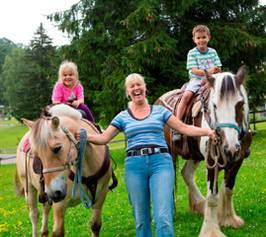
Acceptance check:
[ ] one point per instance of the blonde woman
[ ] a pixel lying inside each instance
(149, 171)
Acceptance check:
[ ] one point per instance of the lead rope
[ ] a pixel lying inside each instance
(86, 201)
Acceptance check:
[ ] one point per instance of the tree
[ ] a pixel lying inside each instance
(5, 48)
(27, 76)
(112, 39)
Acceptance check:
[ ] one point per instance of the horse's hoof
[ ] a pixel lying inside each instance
(45, 234)
(197, 206)
(212, 233)
(235, 222)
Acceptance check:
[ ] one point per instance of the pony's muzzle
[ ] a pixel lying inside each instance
(232, 152)
(58, 189)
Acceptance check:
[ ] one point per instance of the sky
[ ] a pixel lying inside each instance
(19, 19)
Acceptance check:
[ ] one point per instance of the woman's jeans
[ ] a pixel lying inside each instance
(151, 178)
(87, 112)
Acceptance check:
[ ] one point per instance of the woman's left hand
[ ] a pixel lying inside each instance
(212, 134)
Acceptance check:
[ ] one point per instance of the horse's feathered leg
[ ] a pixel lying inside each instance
(196, 199)
(210, 226)
(45, 216)
(226, 212)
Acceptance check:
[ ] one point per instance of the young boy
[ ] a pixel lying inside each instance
(199, 59)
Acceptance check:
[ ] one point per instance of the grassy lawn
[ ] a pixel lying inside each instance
(249, 200)
(11, 131)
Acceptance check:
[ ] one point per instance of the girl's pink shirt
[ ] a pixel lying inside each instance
(61, 93)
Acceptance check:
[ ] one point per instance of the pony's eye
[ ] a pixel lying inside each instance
(57, 149)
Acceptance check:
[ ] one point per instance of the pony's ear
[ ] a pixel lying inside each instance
(55, 122)
(240, 75)
(209, 78)
(27, 122)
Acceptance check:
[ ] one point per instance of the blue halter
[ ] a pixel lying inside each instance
(228, 125)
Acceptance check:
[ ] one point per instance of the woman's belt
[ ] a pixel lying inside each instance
(147, 151)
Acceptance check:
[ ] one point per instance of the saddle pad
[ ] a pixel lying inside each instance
(26, 145)
(170, 99)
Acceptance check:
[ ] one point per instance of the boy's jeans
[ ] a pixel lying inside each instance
(151, 176)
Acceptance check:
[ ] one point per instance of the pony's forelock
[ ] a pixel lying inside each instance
(39, 134)
(225, 86)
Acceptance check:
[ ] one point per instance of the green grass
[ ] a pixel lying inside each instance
(11, 131)
(249, 200)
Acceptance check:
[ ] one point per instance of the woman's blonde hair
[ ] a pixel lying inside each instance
(68, 65)
(131, 78)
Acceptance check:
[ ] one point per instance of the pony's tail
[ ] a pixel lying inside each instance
(19, 187)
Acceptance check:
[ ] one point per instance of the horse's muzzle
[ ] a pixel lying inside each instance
(58, 189)
(232, 152)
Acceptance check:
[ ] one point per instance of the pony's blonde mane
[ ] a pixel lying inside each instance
(40, 133)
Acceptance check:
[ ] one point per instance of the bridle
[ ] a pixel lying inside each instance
(69, 162)
(214, 148)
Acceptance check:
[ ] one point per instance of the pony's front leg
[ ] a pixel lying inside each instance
(45, 216)
(96, 221)
(196, 199)
(210, 226)
(31, 199)
(226, 211)
(59, 215)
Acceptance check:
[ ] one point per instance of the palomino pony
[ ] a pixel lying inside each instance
(222, 105)
(61, 170)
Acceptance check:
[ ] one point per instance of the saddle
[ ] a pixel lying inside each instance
(187, 147)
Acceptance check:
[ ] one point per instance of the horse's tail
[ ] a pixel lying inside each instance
(19, 187)
(115, 181)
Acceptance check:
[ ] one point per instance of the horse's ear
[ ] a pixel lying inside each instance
(209, 78)
(240, 75)
(27, 122)
(55, 122)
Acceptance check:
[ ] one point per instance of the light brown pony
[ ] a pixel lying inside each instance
(54, 153)
(223, 106)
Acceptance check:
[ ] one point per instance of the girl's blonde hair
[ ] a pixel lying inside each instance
(131, 78)
(70, 66)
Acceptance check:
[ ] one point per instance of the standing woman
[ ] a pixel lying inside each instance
(149, 171)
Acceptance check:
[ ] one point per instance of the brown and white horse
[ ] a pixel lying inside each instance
(224, 107)
(50, 167)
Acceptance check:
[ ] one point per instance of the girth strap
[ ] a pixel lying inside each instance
(92, 181)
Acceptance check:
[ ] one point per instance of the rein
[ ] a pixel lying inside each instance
(87, 203)
(68, 163)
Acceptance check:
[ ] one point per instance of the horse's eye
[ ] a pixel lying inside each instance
(57, 149)
(214, 106)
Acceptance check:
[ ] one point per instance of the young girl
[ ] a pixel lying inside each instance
(69, 90)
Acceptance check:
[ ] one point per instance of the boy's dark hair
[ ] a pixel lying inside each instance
(200, 28)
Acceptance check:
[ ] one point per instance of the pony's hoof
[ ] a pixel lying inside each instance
(197, 206)
(235, 222)
(45, 234)
(212, 233)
